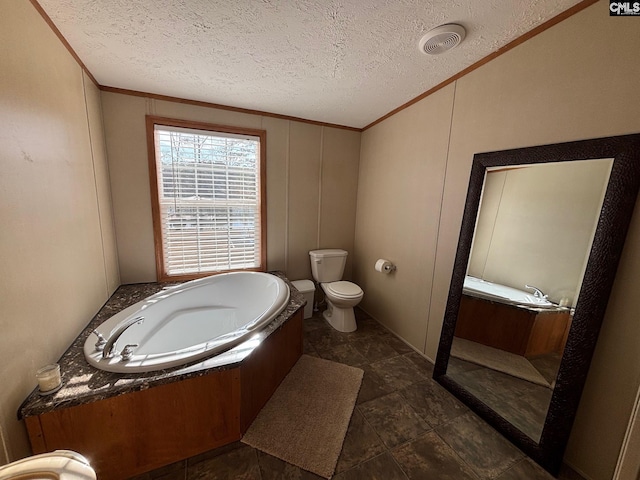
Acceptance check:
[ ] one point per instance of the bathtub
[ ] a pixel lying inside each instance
(477, 287)
(189, 322)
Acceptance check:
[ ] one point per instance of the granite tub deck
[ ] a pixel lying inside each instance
(151, 419)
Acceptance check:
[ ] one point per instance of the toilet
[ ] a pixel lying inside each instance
(327, 267)
(57, 465)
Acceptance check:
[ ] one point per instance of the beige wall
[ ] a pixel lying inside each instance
(540, 230)
(58, 251)
(574, 81)
(311, 183)
(402, 170)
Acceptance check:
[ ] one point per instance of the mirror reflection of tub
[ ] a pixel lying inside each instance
(509, 343)
(479, 288)
(532, 240)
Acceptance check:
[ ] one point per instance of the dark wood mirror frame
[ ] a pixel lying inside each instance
(615, 215)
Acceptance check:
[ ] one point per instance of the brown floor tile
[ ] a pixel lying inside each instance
(325, 337)
(486, 451)
(393, 419)
(373, 386)
(421, 362)
(374, 349)
(314, 323)
(342, 353)
(368, 327)
(526, 469)
(272, 468)
(382, 467)
(360, 444)
(398, 372)
(216, 452)
(432, 402)
(397, 344)
(175, 471)
(360, 314)
(308, 348)
(430, 457)
(568, 473)
(240, 463)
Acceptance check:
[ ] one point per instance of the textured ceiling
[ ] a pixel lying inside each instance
(347, 62)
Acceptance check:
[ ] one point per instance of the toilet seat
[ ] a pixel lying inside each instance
(58, 465)
(344, 289)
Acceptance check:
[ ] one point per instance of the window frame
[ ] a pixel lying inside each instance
(151, 122)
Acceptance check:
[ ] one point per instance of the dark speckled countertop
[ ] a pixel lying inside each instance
(83, 383)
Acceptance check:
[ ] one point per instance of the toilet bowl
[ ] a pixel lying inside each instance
(58, 465)
(341, 297)
(327, 267)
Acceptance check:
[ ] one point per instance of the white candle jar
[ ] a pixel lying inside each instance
(49, 377)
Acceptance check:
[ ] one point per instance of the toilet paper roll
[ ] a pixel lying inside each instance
(383, 266)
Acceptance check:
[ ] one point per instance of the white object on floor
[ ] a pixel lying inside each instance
(327, 267)
(58, 465)
(307, 289)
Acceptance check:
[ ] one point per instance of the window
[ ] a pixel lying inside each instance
(208, 197)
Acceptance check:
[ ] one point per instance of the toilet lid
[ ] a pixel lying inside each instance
(58, 465)
(344, 289)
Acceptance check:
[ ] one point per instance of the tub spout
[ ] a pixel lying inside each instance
(536, 292)
(113, 338)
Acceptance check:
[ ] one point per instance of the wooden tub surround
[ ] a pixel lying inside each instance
(523, 331)
(130, 424)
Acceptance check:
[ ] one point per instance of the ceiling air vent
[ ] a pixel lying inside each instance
(442, 39)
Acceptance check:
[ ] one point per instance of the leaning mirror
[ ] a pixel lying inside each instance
(541, 236)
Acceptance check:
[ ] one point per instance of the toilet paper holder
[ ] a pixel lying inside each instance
(384, 266)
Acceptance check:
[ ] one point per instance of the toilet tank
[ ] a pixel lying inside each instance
(328, 265)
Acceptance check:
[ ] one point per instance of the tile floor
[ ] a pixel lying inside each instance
(523, 403)
(404, 426)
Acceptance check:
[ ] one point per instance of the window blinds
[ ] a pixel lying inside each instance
(209, 200)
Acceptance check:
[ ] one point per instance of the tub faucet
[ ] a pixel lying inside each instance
(109, 347)
(101, 341)
(536, 292)
(127, 351)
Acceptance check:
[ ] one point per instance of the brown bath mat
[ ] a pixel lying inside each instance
(305, 421)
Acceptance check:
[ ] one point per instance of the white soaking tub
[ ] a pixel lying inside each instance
(477, 287)
(187, 322)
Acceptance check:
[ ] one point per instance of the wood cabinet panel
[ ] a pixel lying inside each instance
(548, 333)
(511, 328)
(493, 324)
(136, 432)
(129, 434)
(267, 366)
